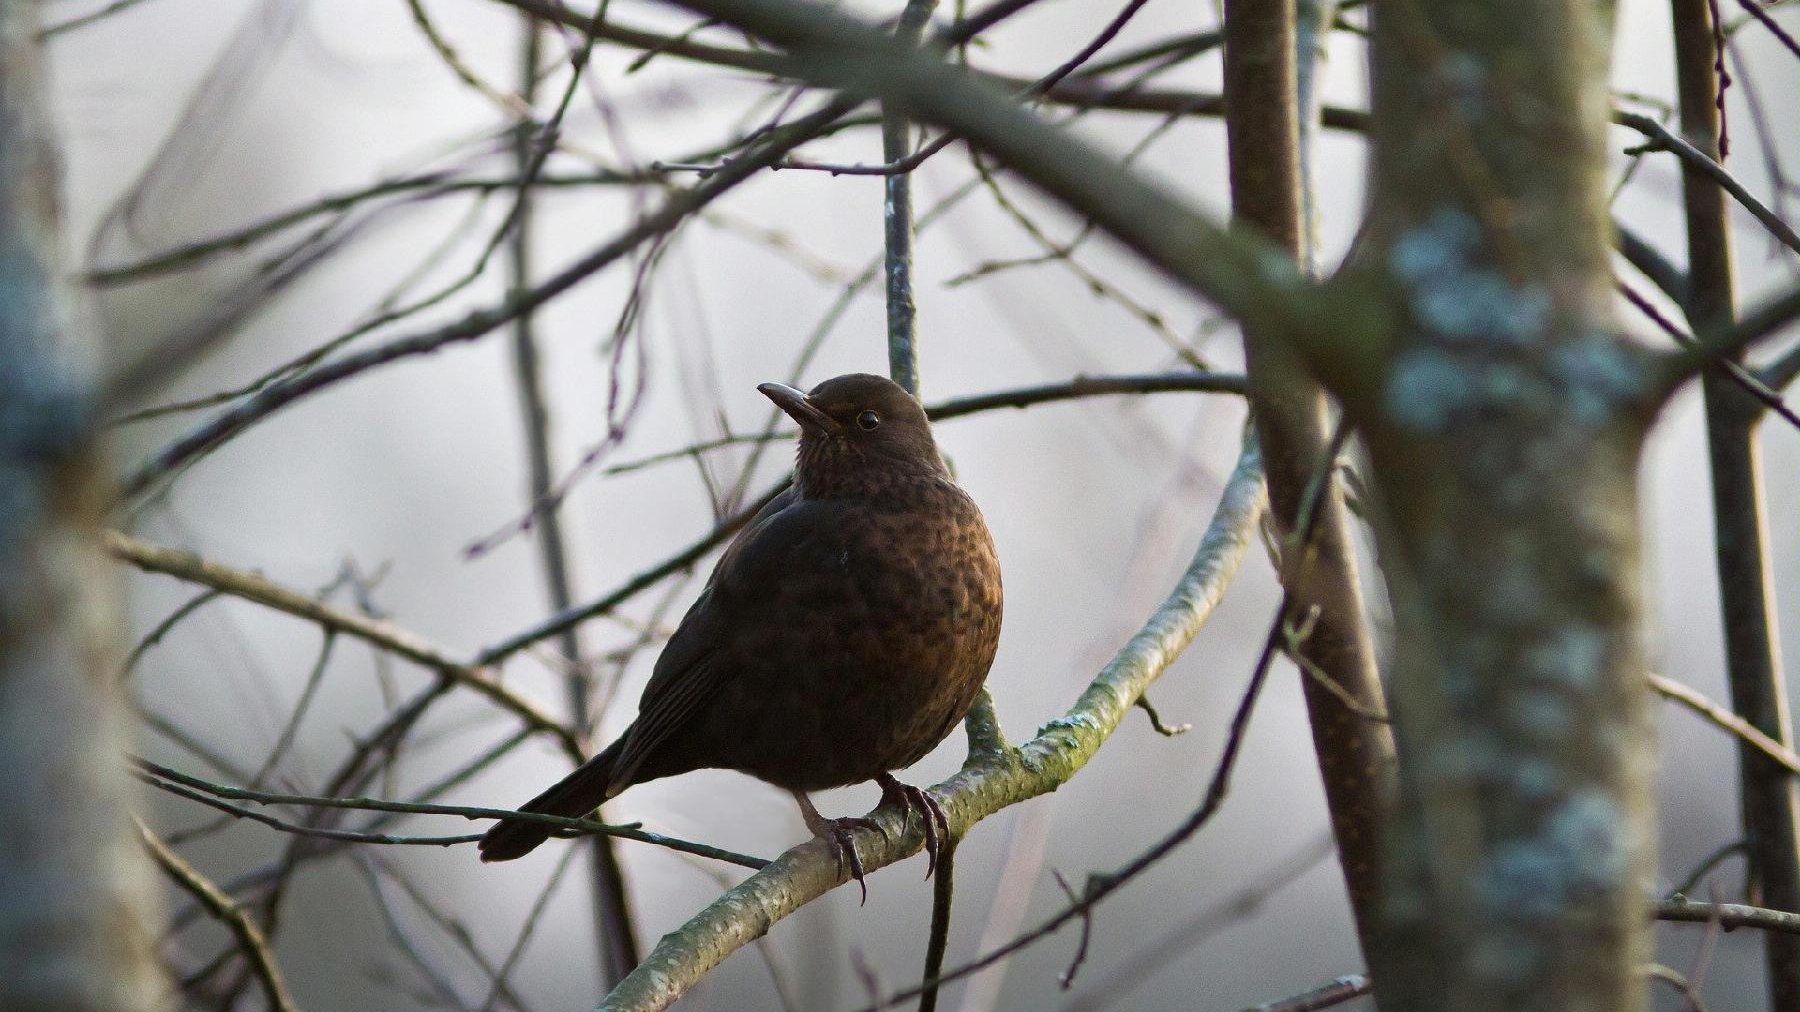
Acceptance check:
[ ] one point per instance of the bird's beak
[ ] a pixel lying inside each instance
(794, 402)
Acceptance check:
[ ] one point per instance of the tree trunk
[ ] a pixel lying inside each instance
(1505, 431)
(73, 883)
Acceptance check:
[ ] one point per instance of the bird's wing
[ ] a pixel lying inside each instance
(787, 534)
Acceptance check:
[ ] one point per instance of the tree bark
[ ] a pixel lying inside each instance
(74, 882)
(1505, 431)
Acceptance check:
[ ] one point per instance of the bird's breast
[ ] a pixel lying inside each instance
(878, 651)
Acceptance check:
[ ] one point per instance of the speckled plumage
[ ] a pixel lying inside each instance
(841, 636)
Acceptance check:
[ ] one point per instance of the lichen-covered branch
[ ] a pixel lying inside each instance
(990, 782)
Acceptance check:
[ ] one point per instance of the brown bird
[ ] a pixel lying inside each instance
(842, 635)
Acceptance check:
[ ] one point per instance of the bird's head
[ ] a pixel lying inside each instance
(858, 434)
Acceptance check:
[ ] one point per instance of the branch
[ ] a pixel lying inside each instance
(1088, 386)
(678, 206)
(74, 925)
(984, 786)
(1730, 722)
(1650, 262)
(1336, 993)
(1239, 272)
(1023, 397)
(82, 21)
(242, 926)
(1076, 89)
(1716, 342)
(615, 934)
(1728, 915)
(1355, 755)
(568, 618)
(1779, 373)
(383, 635)
(1662, 137)
(163, 777)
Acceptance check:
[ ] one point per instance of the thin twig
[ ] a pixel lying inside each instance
(82, 21)
(1156, 721)
(509, 103)
(1729, 915)
(1662, 137)
(1151, 957)
(555, 624)
(1728, 721)
(1705, 867)
(676, 209)
(943, 895)
(384, 635)
(243, 927)
(162, 629)
(1336, 993)
(532, 918)
(168, 779)
(438, 980)
(1754, 9)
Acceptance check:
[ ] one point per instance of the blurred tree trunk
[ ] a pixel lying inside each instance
(1505, 423)
(73, 883)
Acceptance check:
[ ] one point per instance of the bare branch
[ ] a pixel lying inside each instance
(1234, 270)
(1339, 991)
(675, 209)
(243, 927)
(1728, 721)
(74, 930)
(1662, 137)
(1714, 341)
(1730, 915)
(375, 632)
(163, 777)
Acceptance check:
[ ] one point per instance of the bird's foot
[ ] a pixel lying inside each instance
(837, 834)
(911, 799)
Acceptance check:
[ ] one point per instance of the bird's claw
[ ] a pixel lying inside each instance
(837, 834)
(910, 799)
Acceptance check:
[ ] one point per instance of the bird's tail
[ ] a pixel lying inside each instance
(573, 797)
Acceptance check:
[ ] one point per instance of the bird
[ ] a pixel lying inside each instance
(842, 635)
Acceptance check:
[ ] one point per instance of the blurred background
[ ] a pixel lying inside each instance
(403, 489)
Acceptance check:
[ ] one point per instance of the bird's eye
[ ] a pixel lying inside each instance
(867, 420)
